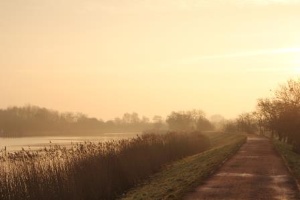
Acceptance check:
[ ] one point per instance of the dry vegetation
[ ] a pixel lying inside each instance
(92, 171)
(182, 176)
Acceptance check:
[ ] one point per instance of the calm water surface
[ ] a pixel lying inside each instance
(14, 144)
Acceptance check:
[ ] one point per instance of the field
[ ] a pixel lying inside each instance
(92, 171)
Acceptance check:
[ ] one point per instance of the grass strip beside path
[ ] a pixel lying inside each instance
(182, 176)
(291, 158)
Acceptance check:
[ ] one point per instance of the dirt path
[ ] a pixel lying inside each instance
(255, 172)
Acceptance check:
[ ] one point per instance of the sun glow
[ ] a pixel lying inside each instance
(296, 63)
(296, 70)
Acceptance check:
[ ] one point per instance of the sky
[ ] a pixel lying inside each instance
(107, 57)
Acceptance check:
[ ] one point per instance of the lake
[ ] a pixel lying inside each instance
(33, 143)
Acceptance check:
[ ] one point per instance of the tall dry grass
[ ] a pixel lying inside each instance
(92, 171)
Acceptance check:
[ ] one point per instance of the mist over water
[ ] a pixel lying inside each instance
(35, 143)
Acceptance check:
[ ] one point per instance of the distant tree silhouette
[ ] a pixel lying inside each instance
(179, 121)
(32, 120)
(158, 122)
(189, 120)
(218, 121)
(246, 122)
(230, 126)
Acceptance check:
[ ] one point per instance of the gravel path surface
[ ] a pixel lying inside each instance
(256, 172)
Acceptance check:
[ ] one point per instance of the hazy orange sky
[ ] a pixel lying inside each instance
(108, 57)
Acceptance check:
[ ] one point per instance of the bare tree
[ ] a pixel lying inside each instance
(281, 114)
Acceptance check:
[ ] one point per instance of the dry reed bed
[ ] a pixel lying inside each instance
(92, 171)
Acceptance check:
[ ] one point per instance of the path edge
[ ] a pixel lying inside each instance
(287, 166)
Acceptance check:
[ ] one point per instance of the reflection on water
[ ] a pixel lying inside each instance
(14, 144)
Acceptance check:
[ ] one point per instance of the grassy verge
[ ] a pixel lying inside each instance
(221, 139)
(291, 158)
(179, 178)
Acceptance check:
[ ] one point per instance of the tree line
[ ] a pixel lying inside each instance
(36, 121)
(33, 120)
(193, 120)
(277, 116)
